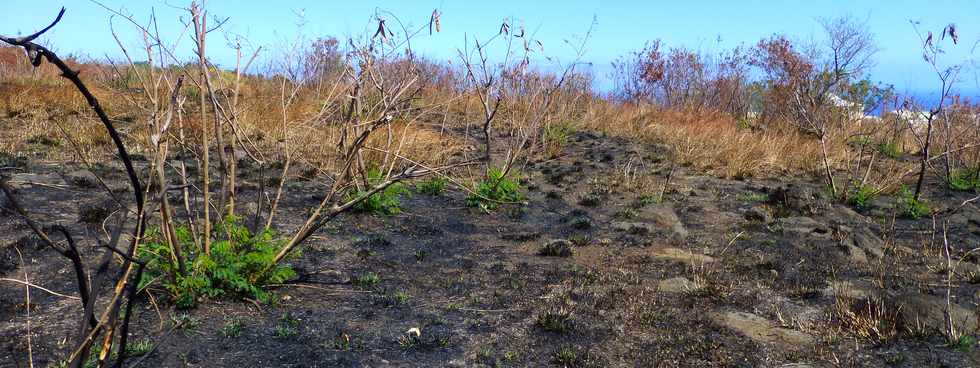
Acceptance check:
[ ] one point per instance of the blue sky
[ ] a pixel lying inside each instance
(621, 26)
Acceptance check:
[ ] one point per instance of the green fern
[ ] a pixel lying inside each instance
(494, 189)
(386, 202)
(240, 264)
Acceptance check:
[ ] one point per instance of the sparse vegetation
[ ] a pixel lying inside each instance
(240, 264)
(697, 212)
(909, 206)
(495, 189)
(434, 186)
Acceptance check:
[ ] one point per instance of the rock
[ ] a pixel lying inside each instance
(798, 198)
(761, 330)
(845, 215)
(759, 214)
(82, 178)
(856, 255)
(869, 242)
(930, 311)
(676, 285)
(803, 227)
(26, 180)
(676, 254)
(5, 206)
(636, 228)
(521, 236)
(665, 216)
(95, 213)
(854, 289)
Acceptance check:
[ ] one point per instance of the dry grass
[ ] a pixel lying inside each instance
(709, 140)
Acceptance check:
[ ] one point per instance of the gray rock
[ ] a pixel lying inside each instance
(803, 227)
(856, 255)
(95, 213)
(665, 216)
(930, 311)
(799, 198)
(676, 285)
(82, 178)
(762, 330)
(869, 242)
(637, 228)
(26, 180)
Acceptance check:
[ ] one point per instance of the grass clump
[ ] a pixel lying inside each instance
(495, 188)
(287, 327)
(386, 202)
(750, 197)
(556, 248)
(910, 207)
(966, 344)
(964, 179)
(232, 328)
(565, 356)
(240, 264)
(558, 321)
(434, 186)
(366, 280)
(139, 348)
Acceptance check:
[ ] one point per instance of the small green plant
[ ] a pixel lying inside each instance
(862, 196)
(495, 188)
(288, 326)
(646, 200)
(565, 356)
(579, 240)
(232, 328)
(750, 197)
(966, 343)
(555, 136)
(240, 264)
(386, 202)
(366, 280)
(557, 320)
(581, 223)
(910, 207)
(626, 213)
(419, 255)
(434, 186)
(890, 149)
(185, 322)
(139, 347)
(394, 299)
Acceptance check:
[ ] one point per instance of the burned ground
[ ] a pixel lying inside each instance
(593, 270)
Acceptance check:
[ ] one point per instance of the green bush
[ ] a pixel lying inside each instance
(493, 189)
(386, 202)
(240, 264)
(890, 149)
(555, 136)
(910, 207)
(434, 186)
(964, 179)
(862, 196)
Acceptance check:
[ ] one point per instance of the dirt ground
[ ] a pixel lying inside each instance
(593, 271)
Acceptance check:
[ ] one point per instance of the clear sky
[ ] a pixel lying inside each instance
(621, 26)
